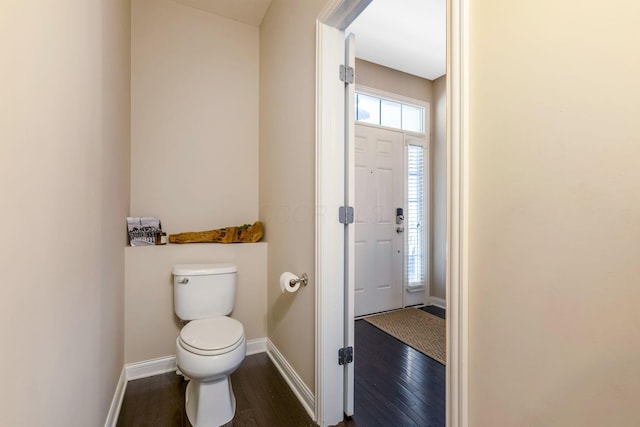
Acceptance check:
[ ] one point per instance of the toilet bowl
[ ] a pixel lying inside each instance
(208, 351)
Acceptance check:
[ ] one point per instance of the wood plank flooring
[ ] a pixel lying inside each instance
(395, 386)
(263, 399)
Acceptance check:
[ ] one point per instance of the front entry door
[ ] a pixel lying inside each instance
(379, 192)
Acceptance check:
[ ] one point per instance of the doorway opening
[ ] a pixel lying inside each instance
(332, 328)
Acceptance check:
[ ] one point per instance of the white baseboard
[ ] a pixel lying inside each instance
(438, 302)
(299, 388)
(259, 345)
(149, 368)
(162, 365)
(116, 402)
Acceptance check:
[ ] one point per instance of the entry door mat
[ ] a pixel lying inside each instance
(416, 328)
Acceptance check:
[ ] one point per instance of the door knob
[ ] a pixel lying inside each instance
(399, 230)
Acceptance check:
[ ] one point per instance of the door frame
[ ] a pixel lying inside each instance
(334, 18)
(457, 297)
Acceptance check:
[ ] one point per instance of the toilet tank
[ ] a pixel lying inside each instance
(203, 290)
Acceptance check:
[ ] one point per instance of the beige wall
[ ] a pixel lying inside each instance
(64, 181)
(194, 160)
(151, 326)
(378, 77)
(439, 188)
(194, 112)
(287, 173)
(554, 213)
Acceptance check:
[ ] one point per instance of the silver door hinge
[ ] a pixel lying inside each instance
(347, 74)
(345, 214)
(345, 355)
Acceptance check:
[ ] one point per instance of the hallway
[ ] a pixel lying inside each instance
(395, 384)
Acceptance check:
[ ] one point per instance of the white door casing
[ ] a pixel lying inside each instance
(379, 247)
(457, 410)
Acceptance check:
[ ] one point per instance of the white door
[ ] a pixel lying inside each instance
(349, 191)
(379, 192)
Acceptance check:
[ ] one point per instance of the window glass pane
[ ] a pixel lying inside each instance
(383, 112)
(368, 109)
(412, 118)
(390, 114)
(415, 216)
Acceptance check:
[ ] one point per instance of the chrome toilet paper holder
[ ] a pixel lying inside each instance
(303, 280)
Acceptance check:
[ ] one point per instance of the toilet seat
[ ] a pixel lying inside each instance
(212, 336)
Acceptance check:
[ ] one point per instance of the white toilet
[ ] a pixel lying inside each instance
(211, 346)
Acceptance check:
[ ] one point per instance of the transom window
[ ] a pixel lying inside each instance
(385, 112)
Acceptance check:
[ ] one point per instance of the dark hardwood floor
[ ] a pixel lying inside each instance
(395, 385)
(436, 311)
(263, 399)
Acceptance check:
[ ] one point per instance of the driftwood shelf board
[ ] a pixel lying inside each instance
(241, 234)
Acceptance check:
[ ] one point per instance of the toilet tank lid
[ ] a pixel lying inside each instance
(203, 269)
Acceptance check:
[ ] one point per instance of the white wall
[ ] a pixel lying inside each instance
(64, 186)
(554, 213)
(194, 113)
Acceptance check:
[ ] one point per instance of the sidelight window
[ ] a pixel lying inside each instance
(415, 216)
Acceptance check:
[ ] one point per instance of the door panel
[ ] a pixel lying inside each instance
(384, 254)
(349, 232)
(379, 190)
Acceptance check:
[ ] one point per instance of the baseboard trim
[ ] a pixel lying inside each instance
(149, 368)
(258, 345)
(116, 402)
(438, 302)
(299, 388)
(162, 365)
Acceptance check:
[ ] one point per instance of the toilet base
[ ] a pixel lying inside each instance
(210, 404)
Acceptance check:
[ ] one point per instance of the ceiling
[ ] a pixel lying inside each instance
(406, 35)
